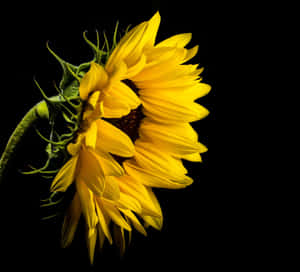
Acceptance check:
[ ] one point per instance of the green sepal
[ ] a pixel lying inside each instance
(98, 53)
(67, 68)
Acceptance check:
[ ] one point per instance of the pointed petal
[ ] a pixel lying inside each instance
(156, 222)
(178, 82)
(103, 219)
(135, 222)
(91, 136)
(149, 178)
(113, 108)
(138, 191)
(108, 164)
(149, 157)
(137, 67)
(119, 72)
(74, 148)
(119, 91)
(65, 176)
(176, 139)
(179, 40)
(87, 204)
(112, 190)
(164, 67)
(190, 53)
(91, 243)
(131, 45)
(158, 55)
(101, 236)
(183, 130)
(71, 221)
(90, 171)
(189, 94)
(115, 215)
(94, 80)
(113, 140)
(152, 29)
(195, 157)
(179, 95)
(119, 238)
(147, 40)
(93, 99)
(128, 202)
(126, 45)
(167, 111)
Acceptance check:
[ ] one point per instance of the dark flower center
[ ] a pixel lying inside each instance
(131, 85)
(130, 123)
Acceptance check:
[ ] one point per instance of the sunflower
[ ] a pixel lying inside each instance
(134, 132)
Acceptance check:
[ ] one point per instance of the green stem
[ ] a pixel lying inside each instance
(37, 112)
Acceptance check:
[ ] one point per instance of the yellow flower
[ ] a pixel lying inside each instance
(133, 134)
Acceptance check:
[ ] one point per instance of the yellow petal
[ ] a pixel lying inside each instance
(101, 236)
(195, 157)
(126, 45)
(183, 130)
(103, 219)
(156, 222)
(149, 178)
(111, 191)
(190, 53)
(147, 40)
(94, 80)
(129, 49)
(119, 91)
(137, 67)
(149, 157)
(90, 172)
(135, 222)
(65, 176)
(175, 139)
(173, 111)
(158, 55)
(119, 72)
(115, 215)
(138, 191)
(197, 91)
(184, 95)
(111, 139)
(87, 203)
(74, 148)
(164, 69)
(128, 202)
(119, 238)
(109, 165)
(91, 136)
(174, 79)
(179, 40)
(93, 99)
(91, 243)
(152, 29)
(113, 108)
(71, 221)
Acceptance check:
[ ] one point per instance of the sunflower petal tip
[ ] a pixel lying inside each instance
(156, 16)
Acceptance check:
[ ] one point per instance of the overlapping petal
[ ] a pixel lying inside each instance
(131, 46)
(115, 174)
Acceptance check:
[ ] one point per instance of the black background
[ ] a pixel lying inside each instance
(195, 220)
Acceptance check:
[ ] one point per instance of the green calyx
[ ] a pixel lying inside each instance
(63, 112)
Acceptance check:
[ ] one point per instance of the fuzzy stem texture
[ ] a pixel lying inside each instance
(39, 111)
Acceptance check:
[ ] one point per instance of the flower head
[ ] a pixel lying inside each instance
(134, 131)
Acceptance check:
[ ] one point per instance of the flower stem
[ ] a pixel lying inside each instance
(39, 111)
